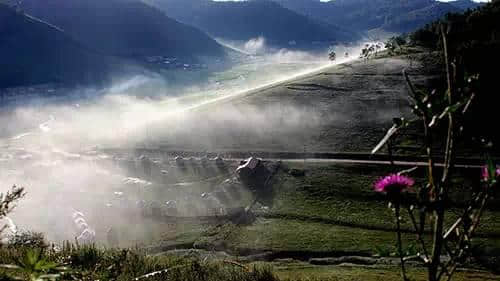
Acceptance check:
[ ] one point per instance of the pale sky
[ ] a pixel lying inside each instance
(473, 0)
(331, 0)
(437, 0)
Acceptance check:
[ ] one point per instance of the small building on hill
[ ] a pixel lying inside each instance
(248, 167)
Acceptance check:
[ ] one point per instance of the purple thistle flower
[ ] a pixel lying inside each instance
(485, 173)
(393, 183)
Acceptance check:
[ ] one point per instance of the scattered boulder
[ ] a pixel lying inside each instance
(396, 261)
(204, 161)
(211, 245)
(297, 172)
(266, 256)
(287, 260)
(112, 238)
(179, 161)
(85, 235)
(341, 260)
(254, 174)
(219, 161)
(240, 215)
(171, 208)
(234, 190)
(146, 164)
(248, 167)
(221, 195)
(191, 161)
(156, 210)
(136, 181)
(200, 254)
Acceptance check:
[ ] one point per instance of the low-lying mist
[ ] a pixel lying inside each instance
(57, 150)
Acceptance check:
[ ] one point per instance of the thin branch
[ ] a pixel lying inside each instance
(408, 171)
(419, 234)
(387, 136)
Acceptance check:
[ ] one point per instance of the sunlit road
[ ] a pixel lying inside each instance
(266, 86)
(311, 158)
(374, 162)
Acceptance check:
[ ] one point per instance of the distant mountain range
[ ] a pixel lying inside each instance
(250, 19)
(90, 40)
(124, 28)
(390, 15)
(33, 52)
(82, 41)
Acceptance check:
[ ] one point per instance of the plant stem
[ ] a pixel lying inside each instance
(437, 243)
(442, 189)
(400, 243)
(420, 233)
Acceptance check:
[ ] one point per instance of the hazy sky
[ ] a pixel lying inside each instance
(473, 0)
(438, 0)
(330, 0)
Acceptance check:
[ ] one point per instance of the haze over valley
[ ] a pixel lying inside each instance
(249, 133)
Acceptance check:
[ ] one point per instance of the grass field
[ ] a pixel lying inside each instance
(91, 263)
(355, 273)
(331, 210)
(328, 212)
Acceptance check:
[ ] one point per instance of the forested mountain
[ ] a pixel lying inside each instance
(250, 19)
(390, 15)
(473, 45)
(34, 52)
(124, 28)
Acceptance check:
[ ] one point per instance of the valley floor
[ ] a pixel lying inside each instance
(308, 213)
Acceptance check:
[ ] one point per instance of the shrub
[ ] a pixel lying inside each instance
(442, 115)
(29, 239)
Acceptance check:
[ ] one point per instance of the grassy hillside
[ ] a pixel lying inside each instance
(331, 211)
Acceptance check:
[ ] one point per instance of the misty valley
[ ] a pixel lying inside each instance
(54, 135)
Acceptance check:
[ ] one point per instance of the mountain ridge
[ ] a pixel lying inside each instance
(124, 28)
(391, 15)
(250, 19)
(32, 52)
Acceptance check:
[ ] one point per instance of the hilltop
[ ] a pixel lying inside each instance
(250, 19)
(390, 15)
(124, 28)
(474, 40)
